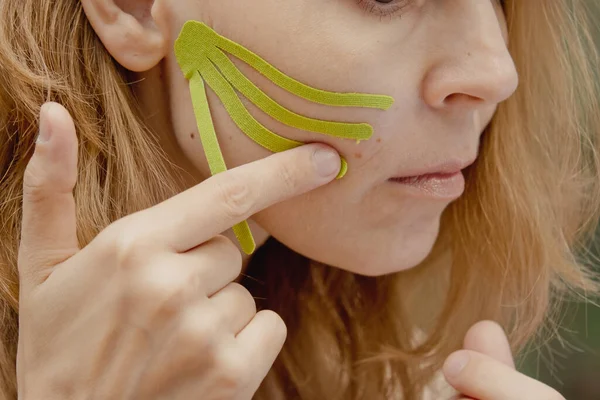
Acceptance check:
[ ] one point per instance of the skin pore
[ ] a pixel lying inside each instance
(445, 63)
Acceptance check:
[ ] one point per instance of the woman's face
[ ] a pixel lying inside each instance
(444, 61)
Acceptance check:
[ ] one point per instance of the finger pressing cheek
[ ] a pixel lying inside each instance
(476, 375)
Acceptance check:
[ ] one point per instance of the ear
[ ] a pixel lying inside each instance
(128, 30)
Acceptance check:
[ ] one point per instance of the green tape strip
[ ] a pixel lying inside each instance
(196, 38)
(213, 152)
(282, 114)
(200, 52)
(246, 122)
(240, 115)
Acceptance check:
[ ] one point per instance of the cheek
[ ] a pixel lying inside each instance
(239, 149)
(368, 235)
(266, 28)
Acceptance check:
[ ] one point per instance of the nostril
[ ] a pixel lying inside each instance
(461, 98)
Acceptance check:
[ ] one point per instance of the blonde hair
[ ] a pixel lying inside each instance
(507, 250)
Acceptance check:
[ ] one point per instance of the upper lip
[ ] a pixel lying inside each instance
(446, 167)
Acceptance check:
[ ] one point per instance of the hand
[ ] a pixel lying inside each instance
(485, 369)
(148, 309)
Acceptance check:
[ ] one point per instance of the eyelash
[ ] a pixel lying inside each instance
(392, 8)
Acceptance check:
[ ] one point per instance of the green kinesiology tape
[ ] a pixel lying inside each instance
(203, 57)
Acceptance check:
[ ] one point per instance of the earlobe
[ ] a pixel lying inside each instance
(128, 31)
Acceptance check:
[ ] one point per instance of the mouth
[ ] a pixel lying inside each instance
(443, 181)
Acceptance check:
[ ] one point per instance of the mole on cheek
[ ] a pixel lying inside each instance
(358, 155)
(192, 135)
(379, 140)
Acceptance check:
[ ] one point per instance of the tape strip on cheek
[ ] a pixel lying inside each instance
(200, 52)
(213, 153)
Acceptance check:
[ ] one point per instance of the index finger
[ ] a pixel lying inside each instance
(215, 205)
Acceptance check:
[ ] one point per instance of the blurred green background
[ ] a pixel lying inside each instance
(571, 365)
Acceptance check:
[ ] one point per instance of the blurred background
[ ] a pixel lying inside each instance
(572, 365)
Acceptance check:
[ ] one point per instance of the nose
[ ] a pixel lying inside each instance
(473, 66)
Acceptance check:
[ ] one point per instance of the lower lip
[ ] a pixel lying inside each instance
(437, 186)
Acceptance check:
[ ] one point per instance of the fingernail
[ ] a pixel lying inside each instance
(456, 363)
(44, 133)
(326, 161)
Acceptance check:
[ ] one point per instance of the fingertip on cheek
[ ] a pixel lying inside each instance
(456, 363)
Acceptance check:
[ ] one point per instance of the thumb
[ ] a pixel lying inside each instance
(489, 338)
(48, 232)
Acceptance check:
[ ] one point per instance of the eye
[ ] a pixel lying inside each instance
(384, 8)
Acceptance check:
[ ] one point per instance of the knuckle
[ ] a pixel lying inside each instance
(61, 385)
(288, 179)
(244, 295)
(151, 296)
(231, 253)
(200, 330)
(126, 244)
(228, 384)
(34, 189)
(233, 372)
(165, 296)
(226, 245)
(277, 327)
(236, 198)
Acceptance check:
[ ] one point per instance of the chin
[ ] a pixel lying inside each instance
(371, 257)
(389, 262)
